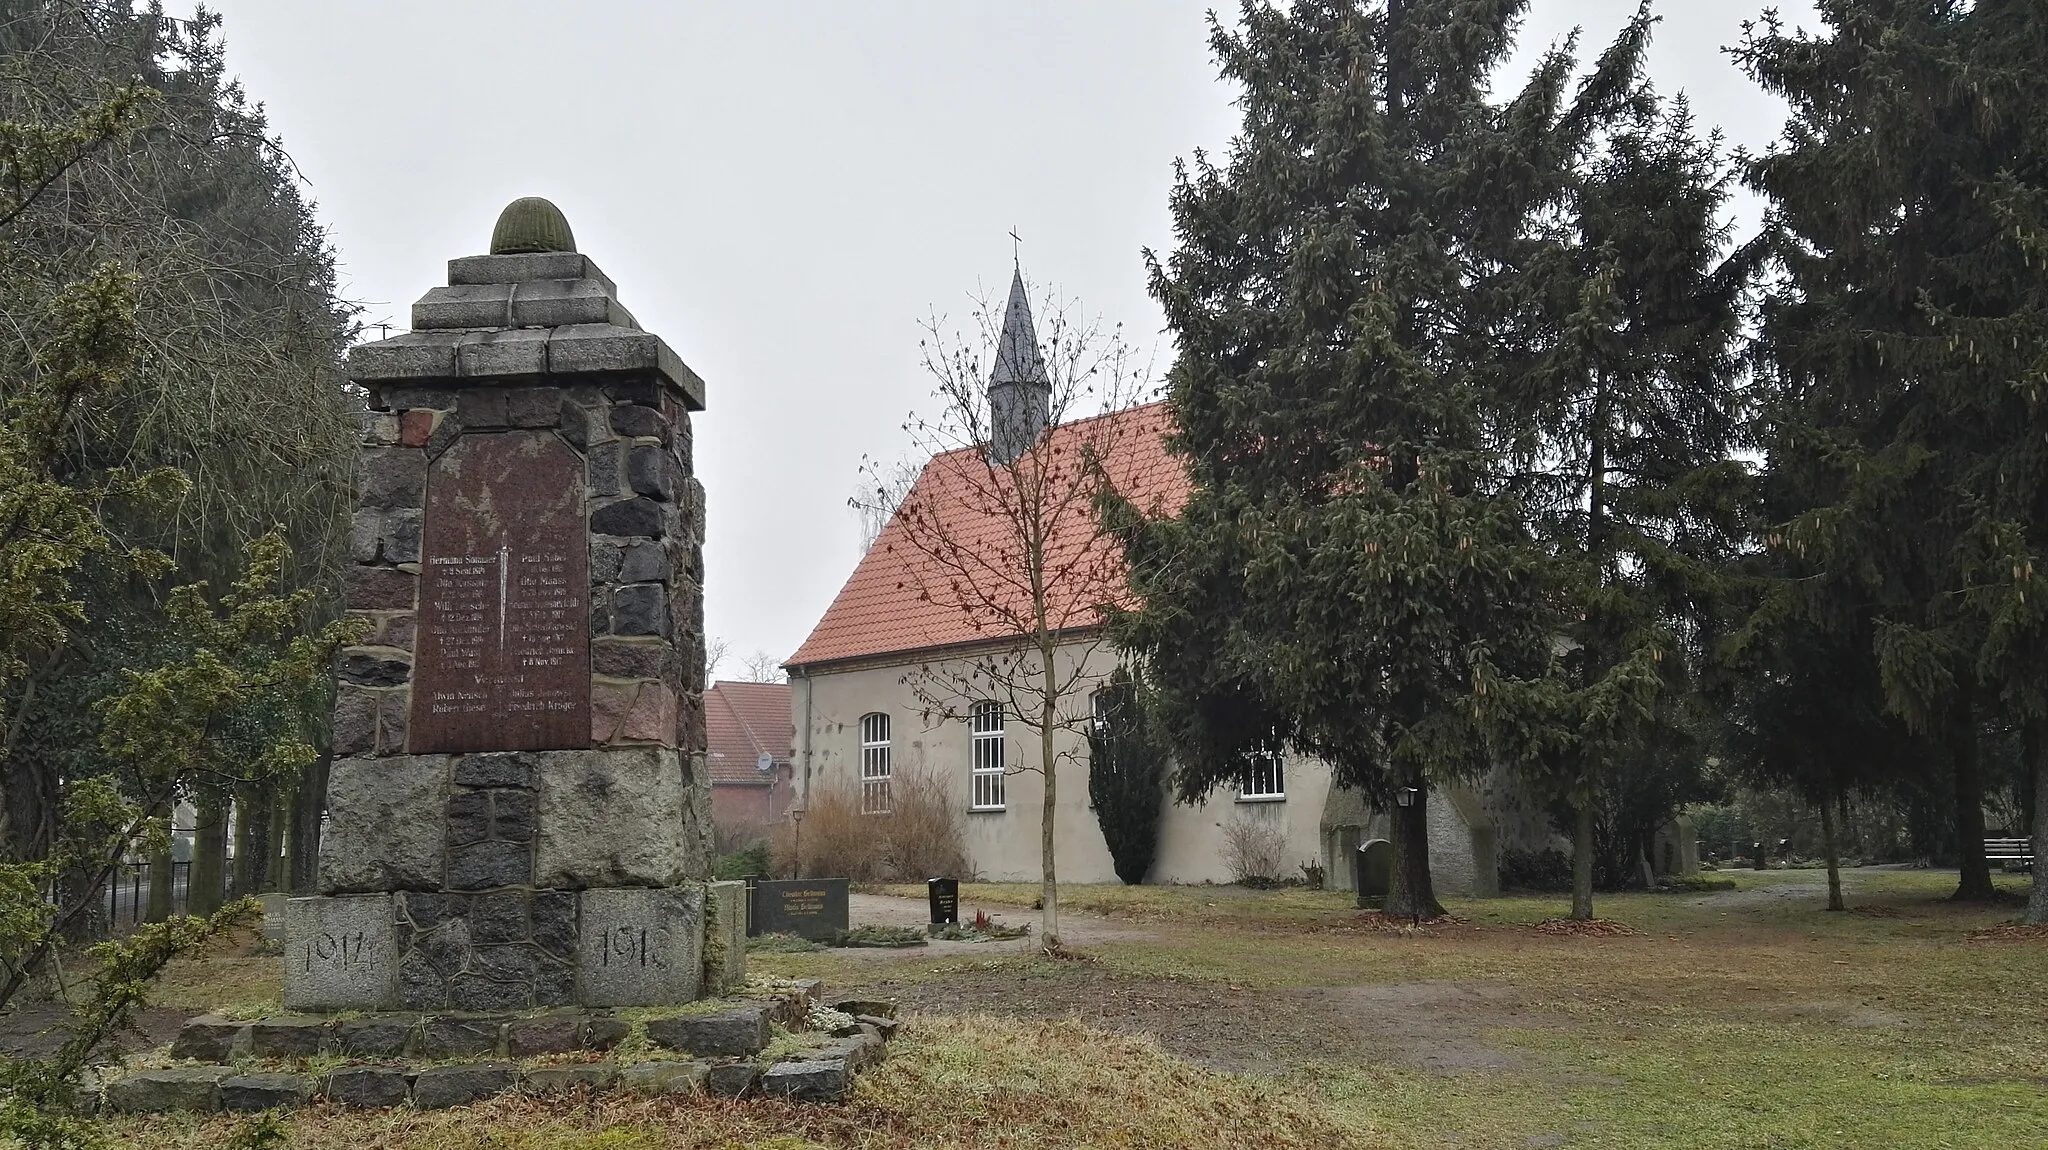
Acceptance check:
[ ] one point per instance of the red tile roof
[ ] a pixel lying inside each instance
(948, 569)
(741, 720)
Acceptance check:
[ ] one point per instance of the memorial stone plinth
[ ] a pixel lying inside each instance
(518, 808)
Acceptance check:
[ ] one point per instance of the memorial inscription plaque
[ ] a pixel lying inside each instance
(503, 656)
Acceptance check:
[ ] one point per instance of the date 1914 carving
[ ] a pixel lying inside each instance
(342, 952)
(503, 652)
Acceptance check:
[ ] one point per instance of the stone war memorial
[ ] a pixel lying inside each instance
(517, 811)
(517, 841)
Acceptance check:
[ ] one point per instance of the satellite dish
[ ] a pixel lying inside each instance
(765, 763)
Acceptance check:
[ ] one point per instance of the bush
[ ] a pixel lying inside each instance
(1542, 870)
(1252, 849)
(1127, 779)
(917, 839)
(753, 860)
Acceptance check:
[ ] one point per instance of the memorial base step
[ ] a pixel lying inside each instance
(784, 1042)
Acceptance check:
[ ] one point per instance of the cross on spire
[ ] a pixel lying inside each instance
(1016, 248)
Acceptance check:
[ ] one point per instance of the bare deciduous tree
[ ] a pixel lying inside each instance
(1001, 525)
(878, 495)
(761, 667)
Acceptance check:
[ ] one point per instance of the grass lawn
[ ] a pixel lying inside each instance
(1222, 1017)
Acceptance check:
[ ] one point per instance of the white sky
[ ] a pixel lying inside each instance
(781, 190)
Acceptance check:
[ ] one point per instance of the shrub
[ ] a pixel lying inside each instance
(1252, 849)
(731, 838)
(1127, 779)
(918, 838)
(753, 860)
(1538, 870)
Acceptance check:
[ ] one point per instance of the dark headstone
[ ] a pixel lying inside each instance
(1375, 871)
(944, 896)
(503, 661)
(811, 908)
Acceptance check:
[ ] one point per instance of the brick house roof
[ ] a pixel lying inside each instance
(903, 598)
(741, 720)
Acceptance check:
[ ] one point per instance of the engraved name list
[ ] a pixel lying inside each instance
(502, 660)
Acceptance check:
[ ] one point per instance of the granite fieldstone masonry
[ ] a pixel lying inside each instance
(519, 783)
(727, 1032)
(264, 1091)
(340, 952)
(368, 1087)
(639, 946)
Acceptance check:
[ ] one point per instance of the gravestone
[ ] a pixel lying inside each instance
(1375, 862)
(810, 908)
(518, 811)
(944, 896)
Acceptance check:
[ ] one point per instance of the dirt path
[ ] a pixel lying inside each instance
(1080, 930)
(1436, 1025)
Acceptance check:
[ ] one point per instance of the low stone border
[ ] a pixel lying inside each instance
(720, 1052)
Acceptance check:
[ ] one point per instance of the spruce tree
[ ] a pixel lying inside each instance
(1350, 569)
(1126, 777)
(1625, 417)
(1904, 350)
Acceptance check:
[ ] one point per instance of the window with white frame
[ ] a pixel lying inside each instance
(1263, 776)
(875, 766)
(1098, 708)
(987, 724)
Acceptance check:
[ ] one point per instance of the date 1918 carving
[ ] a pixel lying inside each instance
(502, 661)
(635, 946)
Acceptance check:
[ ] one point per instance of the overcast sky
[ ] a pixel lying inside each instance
(782, 190)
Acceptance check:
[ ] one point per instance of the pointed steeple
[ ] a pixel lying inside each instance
(1019, 391)
(1017, 358)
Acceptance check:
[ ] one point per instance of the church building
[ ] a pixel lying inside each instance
(862, 722)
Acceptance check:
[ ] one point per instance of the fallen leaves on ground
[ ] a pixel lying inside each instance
(1381, 920)
(1587, 928)
(2010, 932)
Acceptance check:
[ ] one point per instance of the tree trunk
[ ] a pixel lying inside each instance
(1410, 891)
(160, 869)
(28, 809)
(1969, 779)
(205, 886)
(1833, 851)
(1582, 861)
(2035, 739)
(1049, 886)
(309, 800)
(277, 814)
(242, 855)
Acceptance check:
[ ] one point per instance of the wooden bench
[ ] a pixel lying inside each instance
(2017, 853)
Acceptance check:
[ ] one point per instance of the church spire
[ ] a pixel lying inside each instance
(1019, 391)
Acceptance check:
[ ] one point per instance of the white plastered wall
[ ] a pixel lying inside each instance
(1318, 823)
